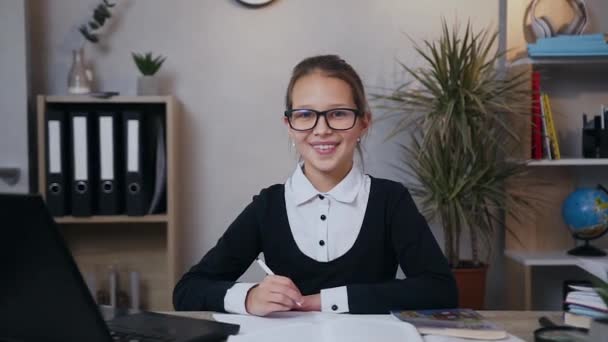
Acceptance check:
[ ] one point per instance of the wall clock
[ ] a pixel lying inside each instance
(254, 3)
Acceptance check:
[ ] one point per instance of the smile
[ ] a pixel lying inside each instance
(325, 148)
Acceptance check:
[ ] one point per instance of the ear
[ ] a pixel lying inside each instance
(366, 122)
(286, 123)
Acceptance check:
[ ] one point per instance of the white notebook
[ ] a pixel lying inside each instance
(315, 326)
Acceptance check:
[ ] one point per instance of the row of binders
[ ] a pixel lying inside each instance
(105, 162)
(545, 143)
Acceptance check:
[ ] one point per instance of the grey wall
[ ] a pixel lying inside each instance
(13, 92)
(229, 67)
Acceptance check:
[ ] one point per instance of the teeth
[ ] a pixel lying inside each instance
(324, 147)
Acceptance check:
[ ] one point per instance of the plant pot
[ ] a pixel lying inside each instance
(471, 286)
(148, 85)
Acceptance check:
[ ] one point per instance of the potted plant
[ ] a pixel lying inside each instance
(147, 84)
(80, 77)
(458, 105)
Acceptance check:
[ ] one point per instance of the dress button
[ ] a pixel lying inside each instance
(334, 307)
(321, 242)
(323, 217)
(321, 197)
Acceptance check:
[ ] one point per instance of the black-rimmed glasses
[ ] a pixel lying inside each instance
(339, 119)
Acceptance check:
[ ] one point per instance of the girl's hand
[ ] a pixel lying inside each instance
(311, 303)
(274, 293)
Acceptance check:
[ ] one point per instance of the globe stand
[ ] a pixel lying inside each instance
(587, 250)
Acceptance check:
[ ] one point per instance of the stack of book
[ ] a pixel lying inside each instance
(590, 45)
(584, 304)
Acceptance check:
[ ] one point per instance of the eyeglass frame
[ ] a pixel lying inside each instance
(323, 114)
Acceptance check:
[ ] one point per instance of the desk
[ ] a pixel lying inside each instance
(519, 323)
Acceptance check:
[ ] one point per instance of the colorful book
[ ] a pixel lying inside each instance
(537, 149)
(464, 323)
(551, 126)
(576, 320)
(547, 153)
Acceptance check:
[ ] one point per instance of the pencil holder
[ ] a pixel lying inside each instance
(590, 143)
(603, 143)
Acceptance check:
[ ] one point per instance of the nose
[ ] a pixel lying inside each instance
(322, 128)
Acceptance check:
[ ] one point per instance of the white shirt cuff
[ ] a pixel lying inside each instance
(334, 300)
(234, 300)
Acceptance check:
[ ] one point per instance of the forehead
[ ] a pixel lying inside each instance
(319, 89)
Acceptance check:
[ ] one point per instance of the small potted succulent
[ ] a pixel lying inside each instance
(148, 65)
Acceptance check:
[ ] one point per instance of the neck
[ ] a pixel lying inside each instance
(325, 181)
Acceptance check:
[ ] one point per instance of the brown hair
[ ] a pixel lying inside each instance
(330, 66)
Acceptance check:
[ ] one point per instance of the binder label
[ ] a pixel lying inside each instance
(81, 158)
(54, 146)
(132, 145)
(106, 144)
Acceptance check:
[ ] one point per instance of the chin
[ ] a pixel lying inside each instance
(324, 165)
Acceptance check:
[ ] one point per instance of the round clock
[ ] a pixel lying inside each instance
(255, 3)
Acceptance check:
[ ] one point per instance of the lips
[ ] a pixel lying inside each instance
(325, 148)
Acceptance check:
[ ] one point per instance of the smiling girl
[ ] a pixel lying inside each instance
(333, 235)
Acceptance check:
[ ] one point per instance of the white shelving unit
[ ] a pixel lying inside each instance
(552, 258)
(569, 162)
(529, 259)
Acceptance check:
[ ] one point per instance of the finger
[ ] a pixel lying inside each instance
(279, 298)
(274, 307)
(285, 282)
(293, 295)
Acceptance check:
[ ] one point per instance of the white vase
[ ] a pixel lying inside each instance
(147, 85)
(80, 78)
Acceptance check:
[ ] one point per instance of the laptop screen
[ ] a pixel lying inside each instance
(42, 295)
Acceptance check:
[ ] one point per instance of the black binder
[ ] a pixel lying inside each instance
(84, 161)
(57, 166)
(138, 162)
(109, 186)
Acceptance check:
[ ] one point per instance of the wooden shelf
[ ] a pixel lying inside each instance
(147, 244)
(569, 162)
(113, 219)
(113, 99)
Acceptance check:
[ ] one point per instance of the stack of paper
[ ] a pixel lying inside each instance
(584, 303)
(569, 46)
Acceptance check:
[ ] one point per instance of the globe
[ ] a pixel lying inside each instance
(585, 212)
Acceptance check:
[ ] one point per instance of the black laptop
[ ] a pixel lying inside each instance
(43, 296)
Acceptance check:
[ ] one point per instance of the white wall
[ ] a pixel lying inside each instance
(229, 66)
(13, 93)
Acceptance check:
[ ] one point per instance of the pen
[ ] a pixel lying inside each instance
(264, 266)
(269, 272)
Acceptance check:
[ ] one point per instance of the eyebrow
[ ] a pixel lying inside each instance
(335, 105)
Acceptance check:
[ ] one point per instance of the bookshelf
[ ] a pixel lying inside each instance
(539, 241)
(146, 244)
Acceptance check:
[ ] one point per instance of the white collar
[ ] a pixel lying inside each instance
(345, 191)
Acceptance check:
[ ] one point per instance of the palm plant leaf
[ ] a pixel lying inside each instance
(460, 104)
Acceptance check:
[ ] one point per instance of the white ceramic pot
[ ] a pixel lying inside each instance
(148, 85)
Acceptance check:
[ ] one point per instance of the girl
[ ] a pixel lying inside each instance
(332, 234)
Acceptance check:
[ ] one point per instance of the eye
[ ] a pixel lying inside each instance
(340, 113)
(302, 114)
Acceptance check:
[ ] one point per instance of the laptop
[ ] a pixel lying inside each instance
(43, 296)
